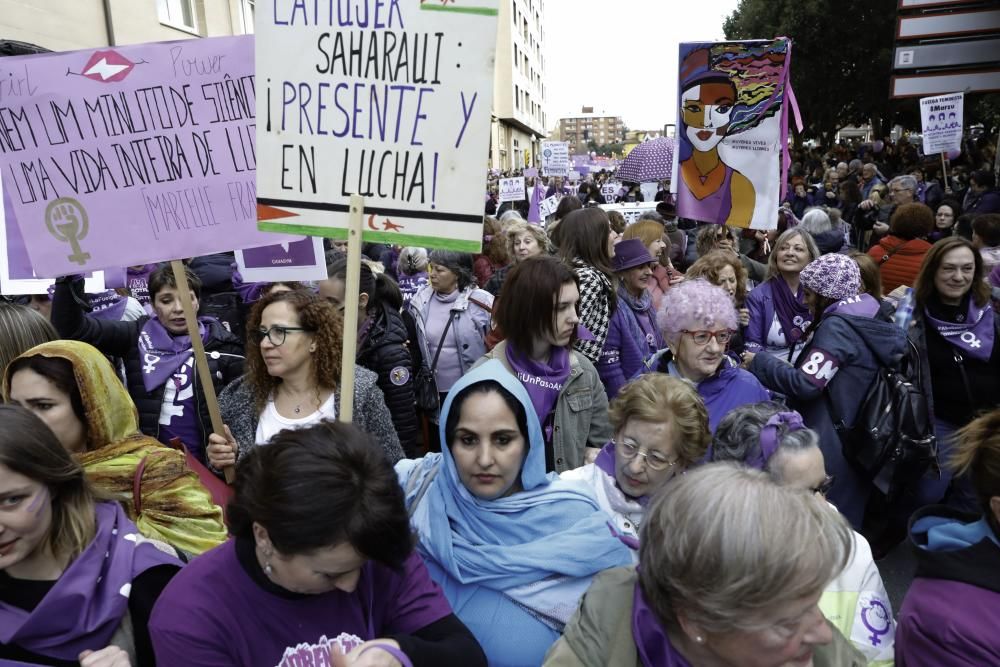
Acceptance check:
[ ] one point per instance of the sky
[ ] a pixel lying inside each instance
(620, 57)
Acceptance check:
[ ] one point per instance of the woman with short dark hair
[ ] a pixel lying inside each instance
(321, 563)
(538, 312)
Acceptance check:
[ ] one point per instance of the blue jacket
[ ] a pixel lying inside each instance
(828, 385)
(623, 355)
(760, 303)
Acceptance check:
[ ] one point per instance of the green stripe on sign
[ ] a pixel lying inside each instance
(392, 238)
(482, 11)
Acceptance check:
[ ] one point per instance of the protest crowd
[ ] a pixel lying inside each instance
(621, 434)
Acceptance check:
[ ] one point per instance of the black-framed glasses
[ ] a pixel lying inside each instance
(655, 460)
(276, 334)
(702, 337)
(824, 486)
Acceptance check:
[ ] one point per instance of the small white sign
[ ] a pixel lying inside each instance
(512, 189)
(555, 158)
(941, 122)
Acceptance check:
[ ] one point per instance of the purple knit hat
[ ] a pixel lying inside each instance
(834, 276)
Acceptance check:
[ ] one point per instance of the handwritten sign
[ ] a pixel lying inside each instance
(133, 154)
(941, 122)
(299, 260)
(555, 158)
(548, 206)
(610, 191)
(380, 98)
(631, 210)
(512, 189)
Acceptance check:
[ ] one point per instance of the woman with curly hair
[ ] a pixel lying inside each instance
(724, 270)
(294, 346)
(494, 255)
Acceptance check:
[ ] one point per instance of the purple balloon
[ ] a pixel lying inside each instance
(953, 154)
(878, 146)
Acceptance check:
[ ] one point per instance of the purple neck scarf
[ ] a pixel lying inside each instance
(109, 305)
(605, 461)
(862, 305)
(640, 308)
(651, 640)
(770, 437)
(162, 354)
(86, 605)
(792, 312)
(542, 381)
(973, 336)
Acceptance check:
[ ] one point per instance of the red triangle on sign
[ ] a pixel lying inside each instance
(265, 212)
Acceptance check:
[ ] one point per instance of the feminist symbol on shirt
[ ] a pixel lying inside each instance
(970, 338)
(881, 618)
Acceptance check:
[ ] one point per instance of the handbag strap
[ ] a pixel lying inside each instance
(960, 361)
(437, 353)
(889, 253)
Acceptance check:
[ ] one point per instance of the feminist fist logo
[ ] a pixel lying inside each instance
(66, 220)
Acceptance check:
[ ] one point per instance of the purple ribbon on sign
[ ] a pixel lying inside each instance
(769, 440)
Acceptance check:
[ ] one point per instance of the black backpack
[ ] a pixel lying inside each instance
(892, 439)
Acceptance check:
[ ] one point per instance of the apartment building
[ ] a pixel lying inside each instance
(587, 126)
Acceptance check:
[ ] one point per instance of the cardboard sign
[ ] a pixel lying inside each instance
(512, 189)
(555, 158)
(133, 154)
(299, 260)
(387, 100)
(941, 123)
(610, 191)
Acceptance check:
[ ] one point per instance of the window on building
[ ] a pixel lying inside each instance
(247, 9)
(517, 97)
(178, 13)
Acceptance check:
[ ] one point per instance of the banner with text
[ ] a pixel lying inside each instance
(380, 98)
(555, 158)
(131, 155)
(732, 127)
(512, 189)
(941, 123)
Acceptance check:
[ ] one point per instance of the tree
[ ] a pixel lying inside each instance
(841, 58)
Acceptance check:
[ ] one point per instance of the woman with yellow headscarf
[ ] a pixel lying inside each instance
(73, 388)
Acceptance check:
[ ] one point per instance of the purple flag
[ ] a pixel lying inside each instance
(534, 215)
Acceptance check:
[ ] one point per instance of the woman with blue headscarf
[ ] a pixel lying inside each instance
(513, 548)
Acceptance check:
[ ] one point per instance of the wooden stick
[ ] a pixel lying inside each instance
(351, 297)
(201, 361)
(944, 170)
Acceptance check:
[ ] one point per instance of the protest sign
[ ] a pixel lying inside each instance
(574, 176)
(16, 274)
(387, 100)
(132, 154)
(548, 206)
(299, 260)
(631, 210)
(649, 190)
(941, 122)
(555, 158)
(531, 172)
(512, 189)
(730, 150)
(610, 191)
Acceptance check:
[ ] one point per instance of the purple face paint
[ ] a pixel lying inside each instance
(37, 505)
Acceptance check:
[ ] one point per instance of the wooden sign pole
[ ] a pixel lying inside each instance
(352, 287)
(201, 361)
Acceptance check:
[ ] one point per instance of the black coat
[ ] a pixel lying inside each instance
(385, 352)
(121, 339)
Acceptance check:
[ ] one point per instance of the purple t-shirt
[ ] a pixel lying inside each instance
(178, 412)
(213, 614)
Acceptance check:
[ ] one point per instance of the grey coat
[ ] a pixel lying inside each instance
(581, 413)
(370, 413)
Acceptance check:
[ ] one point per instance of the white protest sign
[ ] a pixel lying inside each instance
(385, 99)
(512, 189)
(574, 176)
(631, 210)
(299, 260)
(649, 190)
(941, 122)
(610, 191)
(555, 158)
(548, 206)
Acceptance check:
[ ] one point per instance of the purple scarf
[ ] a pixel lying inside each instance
(85, 606)
(651, 641)
(641, 308)
(862, 305)
(973, 336)
(605, 461)
(792, 312)
(162, 354)
(542, 381)
(109, 305)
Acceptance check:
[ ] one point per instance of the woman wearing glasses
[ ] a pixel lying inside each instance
(293, 368)
(661, 429)
(846, 346)
(698, 320)
(768, 437)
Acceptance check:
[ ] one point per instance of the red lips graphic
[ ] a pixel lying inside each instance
(107, 66)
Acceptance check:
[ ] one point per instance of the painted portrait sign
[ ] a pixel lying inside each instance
(732, 130)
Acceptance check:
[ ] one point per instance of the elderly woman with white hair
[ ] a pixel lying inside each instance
(769, 437)
(819, 224)
(524, 240)
(698, 320)
(732, 569)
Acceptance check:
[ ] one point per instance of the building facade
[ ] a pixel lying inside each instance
(586, 127)
(519, 95)
(67, 25)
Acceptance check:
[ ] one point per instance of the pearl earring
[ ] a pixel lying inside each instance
(699, 638)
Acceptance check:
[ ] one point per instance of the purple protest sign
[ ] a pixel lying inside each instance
(134, 154)
(531, 172)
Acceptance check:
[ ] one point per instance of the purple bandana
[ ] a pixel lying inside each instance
(86, 605)
(792, 312)
(862, 305)
(109, 305)
(162, 354)
(605, 461)
(769, 437)
(651, 641)
(542, 381)
(973, 336)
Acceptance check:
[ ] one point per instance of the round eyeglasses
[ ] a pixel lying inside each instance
(655, 460)
(276, 334)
